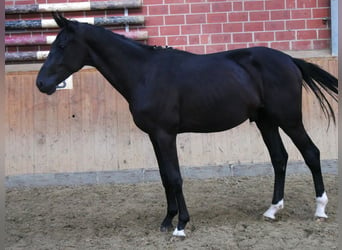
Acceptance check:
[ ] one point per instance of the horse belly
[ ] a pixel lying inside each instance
(217, 119)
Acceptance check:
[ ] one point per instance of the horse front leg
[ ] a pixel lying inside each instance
(164, 145)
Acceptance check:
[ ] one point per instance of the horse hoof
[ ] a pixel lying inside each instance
(321, 203)
(273, 209)
(269, 219)
(321, 219)
(166, 229)
(179, 233)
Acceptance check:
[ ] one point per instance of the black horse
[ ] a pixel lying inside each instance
(171, 91)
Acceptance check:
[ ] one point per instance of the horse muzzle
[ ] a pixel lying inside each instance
(48, 89)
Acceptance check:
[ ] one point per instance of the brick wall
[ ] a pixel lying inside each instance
(206, 26)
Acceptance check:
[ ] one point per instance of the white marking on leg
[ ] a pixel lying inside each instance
(179, 233)
(321, 203)
(274, 208)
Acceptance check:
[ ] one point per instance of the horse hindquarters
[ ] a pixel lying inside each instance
(283, 106)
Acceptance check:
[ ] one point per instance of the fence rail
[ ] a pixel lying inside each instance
(22, 40)
(24, 32)
(77, 6)
(50, 23)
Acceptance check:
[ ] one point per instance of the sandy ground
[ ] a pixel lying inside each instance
(225, 214)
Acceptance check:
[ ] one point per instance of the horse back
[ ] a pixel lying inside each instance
(209, 93)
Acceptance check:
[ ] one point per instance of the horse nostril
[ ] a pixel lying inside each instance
(39, 84)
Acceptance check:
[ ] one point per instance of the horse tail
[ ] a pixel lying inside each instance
(316, 79)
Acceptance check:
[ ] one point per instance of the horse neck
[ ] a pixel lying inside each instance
(118, 59)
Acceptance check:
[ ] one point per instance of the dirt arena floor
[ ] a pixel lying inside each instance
(225, 214)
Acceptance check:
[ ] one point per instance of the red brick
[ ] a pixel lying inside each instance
(49, 1)
(275, 4)
(174, 19)
(237, 46)
(215, 48)
(141, 11)
(221, 7)
(242, 37)
(306, 4)
(158, 10)
(263, 36)
(254, 5)
(324, 34)
(258, 44)
(290, 4)
(152, 31)
(194, 39)
(301, 14)
(280, 14)
(254, 26)
(161, 41)
(154, 20)
(179, 9)
(306, 34)
(191, 29)
(238, 16)
(204, 39)
(295, 24)
(320, 13)
(148, 2)
(285, 35)
(323, 3)
(200, 8)
(198, 49)
(172, 1)
(198, 18)
(232, 27)
(216, 18)
(24, 2)
(221, 38)
(179, 47)
(321, 44)
(301, 45)
(177, 40)
(237, 6)
(275, 25)
(211, 28)
(169, 30)
(195, 1)
(259, 15)
(280, 45)
(315, 24)
(8, 3)
(12, 49)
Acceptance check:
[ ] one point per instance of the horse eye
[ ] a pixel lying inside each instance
(61, 46)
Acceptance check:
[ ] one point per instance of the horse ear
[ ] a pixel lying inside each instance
(60, 20)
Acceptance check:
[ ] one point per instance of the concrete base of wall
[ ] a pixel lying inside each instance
(152, 175)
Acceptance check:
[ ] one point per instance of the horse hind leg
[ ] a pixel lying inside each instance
(279, 156)
(311, 157)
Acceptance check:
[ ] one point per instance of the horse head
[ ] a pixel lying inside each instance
(67, 55)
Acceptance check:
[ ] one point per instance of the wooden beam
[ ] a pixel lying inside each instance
(22, 40)
(26, 56)
(74, 6)
(50, 23)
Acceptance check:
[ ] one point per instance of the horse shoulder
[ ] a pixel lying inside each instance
(154, 105)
